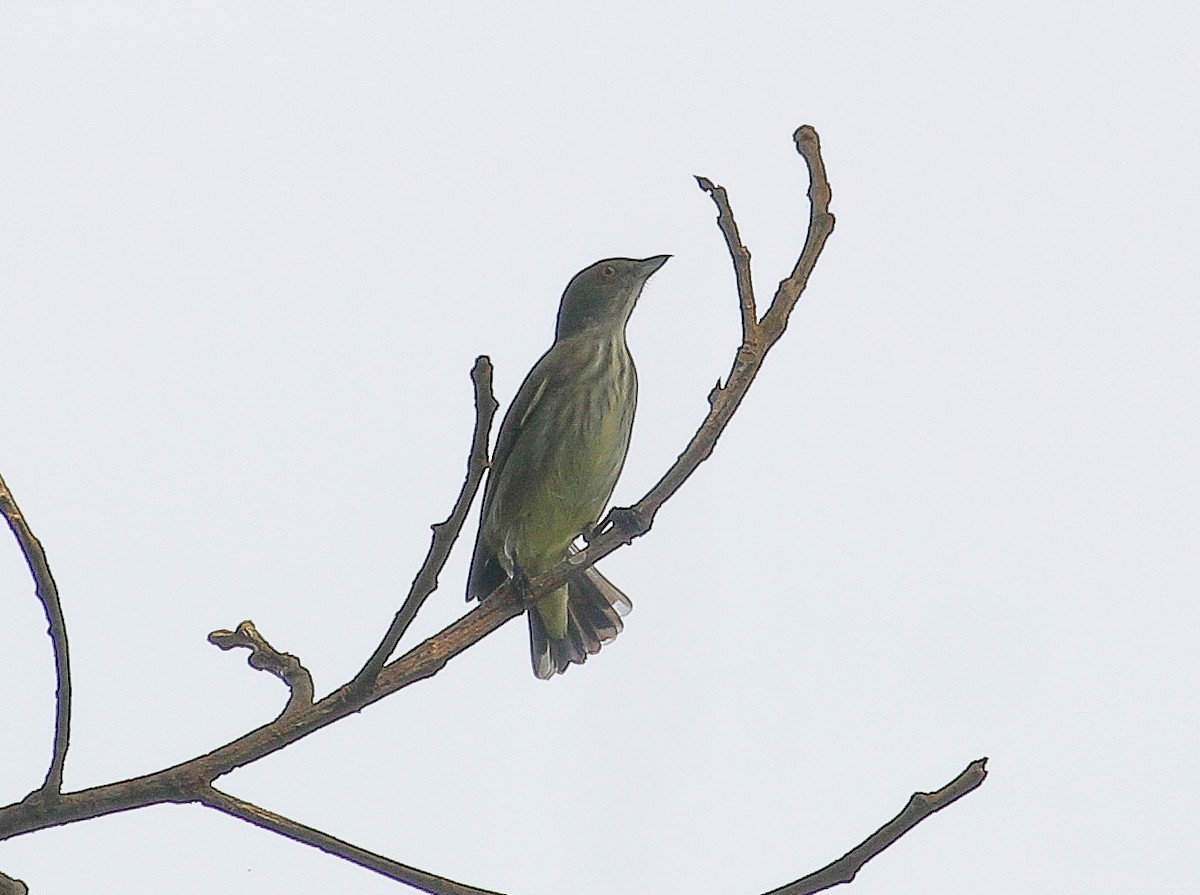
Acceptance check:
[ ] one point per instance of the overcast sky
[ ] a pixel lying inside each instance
(249, 252)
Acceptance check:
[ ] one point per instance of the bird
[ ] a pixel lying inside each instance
(558, 455)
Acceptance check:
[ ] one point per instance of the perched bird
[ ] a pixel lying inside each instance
(557, 459)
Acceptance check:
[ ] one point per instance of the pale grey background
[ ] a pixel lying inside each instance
(249, 253)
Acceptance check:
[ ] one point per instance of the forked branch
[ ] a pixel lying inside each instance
(192, 781)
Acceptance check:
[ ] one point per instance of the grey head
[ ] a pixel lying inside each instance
(603, 295)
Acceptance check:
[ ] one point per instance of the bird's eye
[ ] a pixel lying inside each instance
(608, 271)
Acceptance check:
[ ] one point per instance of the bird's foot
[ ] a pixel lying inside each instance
(629, 522)
(521, 586)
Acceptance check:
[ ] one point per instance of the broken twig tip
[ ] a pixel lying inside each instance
(265, 657)
(806, 133)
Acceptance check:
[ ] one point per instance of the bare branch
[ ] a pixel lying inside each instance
(182, 782)
(191, 781)
(444, 533)
(298, 832)
(47, 593)
(265, 657)
(919, 807)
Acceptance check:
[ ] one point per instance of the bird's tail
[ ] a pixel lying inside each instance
(595, 607)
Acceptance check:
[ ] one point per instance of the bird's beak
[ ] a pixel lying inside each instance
(650, 265)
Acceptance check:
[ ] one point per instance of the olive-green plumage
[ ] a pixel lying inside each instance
(557, 459)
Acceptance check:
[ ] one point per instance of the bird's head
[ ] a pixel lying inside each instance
(604, 294)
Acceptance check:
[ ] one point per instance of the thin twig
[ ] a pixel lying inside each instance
(47, 593)
(298, 832)
(740, 255)
(444, 533)
(265, 657)
(820, 226)
(919, 807)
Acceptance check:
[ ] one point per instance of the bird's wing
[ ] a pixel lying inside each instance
(524, 406)
(486, 572)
